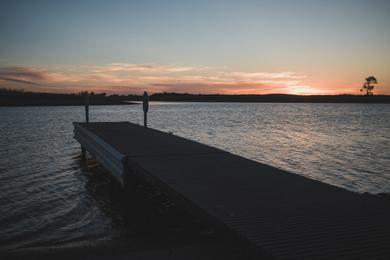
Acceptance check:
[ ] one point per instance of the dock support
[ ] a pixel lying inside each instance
(86, 107)
(83, 152)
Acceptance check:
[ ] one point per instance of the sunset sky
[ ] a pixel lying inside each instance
(231, 47)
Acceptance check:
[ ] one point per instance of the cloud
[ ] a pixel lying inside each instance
(211, 88)
(233, 83)
(24, 72)
(145, 68)
(24, 75)
(266, 75)
(135, 78)
(226, 87)
(18, 80)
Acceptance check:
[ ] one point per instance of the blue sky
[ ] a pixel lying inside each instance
(325, 46)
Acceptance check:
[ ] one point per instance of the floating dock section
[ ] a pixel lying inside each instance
(278, 214)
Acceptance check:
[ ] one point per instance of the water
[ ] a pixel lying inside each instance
(48, 195)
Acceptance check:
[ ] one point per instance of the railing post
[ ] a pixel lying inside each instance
(83, 152)
(145, 105)
(86, 106)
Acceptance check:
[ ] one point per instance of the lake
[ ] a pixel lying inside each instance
(49, 195)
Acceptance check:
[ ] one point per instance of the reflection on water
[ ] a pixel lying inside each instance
(48, 195)
(55, 205)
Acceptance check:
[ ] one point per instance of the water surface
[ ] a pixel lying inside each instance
(48, 194)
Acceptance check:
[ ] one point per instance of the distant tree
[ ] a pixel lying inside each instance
(368, 85)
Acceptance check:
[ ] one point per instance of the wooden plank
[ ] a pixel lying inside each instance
(137, 141)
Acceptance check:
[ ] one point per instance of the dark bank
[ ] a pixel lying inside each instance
(21, 98)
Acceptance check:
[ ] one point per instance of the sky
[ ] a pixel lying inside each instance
(215, 46)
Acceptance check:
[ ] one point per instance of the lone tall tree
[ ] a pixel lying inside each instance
(368, 85)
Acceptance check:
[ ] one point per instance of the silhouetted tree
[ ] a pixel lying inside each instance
(368, 85)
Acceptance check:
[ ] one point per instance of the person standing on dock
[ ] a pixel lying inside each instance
(145, 104)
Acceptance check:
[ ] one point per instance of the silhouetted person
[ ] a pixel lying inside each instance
(145, 103)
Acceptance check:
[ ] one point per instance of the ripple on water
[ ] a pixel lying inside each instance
(49, 195)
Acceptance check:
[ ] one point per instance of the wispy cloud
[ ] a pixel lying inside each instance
(266, 75)
(17, 80)
(145, 68)
(23, 75)
(135, 78)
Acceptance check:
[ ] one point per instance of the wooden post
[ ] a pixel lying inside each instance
(86, 107)
(83, 152)
(145, 103)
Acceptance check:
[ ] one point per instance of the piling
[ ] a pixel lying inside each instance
(86, 94)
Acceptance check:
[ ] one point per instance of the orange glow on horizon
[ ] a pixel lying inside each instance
(119, 78)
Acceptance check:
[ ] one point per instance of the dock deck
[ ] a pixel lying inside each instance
(278, 214)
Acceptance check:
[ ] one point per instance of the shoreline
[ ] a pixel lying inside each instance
(210, 247)
(189, 101)
(67, 104)
(20, 98)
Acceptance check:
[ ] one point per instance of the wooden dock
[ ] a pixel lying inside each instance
(276, 213)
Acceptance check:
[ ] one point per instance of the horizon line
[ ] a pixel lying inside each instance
(186, 93)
